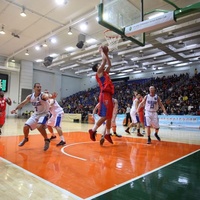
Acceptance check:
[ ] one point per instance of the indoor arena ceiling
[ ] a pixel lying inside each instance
(174, 46)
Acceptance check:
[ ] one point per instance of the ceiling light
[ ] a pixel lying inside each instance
(135, 72)
(27, 54)
(53, 40)
(37, 48)
(61, 2)
(2, 30)
(69, 49)
(91, 41)
(23, 14)
(45, 44)
(84, 26)
(170, 34)
(13, 59)
(180, 42)
(70, 31)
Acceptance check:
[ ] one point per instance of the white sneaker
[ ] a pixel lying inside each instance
(143, 132)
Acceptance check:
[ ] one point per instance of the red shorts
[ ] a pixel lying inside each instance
(105, 105)
(141, 116)
(2, 118)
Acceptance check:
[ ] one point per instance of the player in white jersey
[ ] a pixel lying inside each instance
(113, 121)
(134, 115)
(40, 116)
(151, 102)
(55, 120)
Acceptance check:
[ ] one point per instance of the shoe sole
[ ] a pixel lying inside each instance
(127, 132)
(102, 140)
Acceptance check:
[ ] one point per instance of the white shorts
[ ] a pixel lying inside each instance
(151, 119)
(34, 120)
(134, 117)
(55, 120)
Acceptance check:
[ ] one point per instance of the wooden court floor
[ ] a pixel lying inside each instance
(85, 170)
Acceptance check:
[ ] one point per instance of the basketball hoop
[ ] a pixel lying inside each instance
(112, 39)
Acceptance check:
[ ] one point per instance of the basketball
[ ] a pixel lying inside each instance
(105, 49)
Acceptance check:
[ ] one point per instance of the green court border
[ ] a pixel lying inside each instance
(162, 183)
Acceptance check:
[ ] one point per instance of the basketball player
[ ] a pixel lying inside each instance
(141, 115)
(3, 102)
(40, 116)
(151, 102)
(113, 121)
(106, 92)
(134, 116)
(55, 120)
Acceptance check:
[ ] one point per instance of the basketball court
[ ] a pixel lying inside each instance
(85, 170)
(129, 168)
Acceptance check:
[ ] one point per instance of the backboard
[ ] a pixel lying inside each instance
(118, 14)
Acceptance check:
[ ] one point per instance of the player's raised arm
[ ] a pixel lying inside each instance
(26, 100)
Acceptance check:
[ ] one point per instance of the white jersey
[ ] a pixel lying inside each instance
(55, 108)
(41, 106)
(151, 103)
(133, 107)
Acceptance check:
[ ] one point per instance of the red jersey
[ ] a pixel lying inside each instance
(105, 83)
(3, 104)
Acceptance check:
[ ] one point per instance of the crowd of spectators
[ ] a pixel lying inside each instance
(180, 95)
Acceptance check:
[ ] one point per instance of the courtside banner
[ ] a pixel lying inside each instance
(187, 121)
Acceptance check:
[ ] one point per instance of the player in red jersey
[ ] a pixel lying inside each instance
(141, 115)
(105, 97)
(3, 102)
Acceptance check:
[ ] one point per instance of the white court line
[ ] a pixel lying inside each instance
(63, 191)
(83, 159)
(138, 177)
(67, 154)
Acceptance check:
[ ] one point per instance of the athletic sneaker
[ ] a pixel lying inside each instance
(52, 137)
(23, 142)
(127, 131)
(107, 137)
(133, 130)
(143, 132)
(140, 135)
(92, 135)
(158, 138)
(61, 143)
(117, 135)
(102, 140)
(46, 144)
(149, 140)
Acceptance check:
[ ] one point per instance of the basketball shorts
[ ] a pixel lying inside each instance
(34, 120)
(151, 119)
(105, 105)
(134, 117)
(2, 118)
(55, 120)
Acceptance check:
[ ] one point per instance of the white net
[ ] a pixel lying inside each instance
(112, 39)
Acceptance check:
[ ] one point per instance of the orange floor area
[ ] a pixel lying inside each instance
(85, 168)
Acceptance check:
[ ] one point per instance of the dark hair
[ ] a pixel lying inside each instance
(36, 84)
(94, 67)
